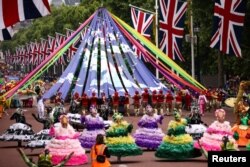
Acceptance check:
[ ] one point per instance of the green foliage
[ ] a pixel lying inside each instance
(70, 16)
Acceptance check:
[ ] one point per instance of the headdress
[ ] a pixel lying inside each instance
(219, 111)
(177, 115)
(63, 116)
(93, 109)
(117, 116)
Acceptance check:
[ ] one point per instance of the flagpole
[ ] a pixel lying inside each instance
(156, 35)
(192, 40)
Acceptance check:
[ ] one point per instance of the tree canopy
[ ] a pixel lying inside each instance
(70, 16)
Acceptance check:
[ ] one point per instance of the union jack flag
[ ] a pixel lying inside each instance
(73, 48)
(228, 23)
(60, 38)
(6, 33)
(171, 25)
(142, 22)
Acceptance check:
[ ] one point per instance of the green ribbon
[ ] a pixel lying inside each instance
(158, 52)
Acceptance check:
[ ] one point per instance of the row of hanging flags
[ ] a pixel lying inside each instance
(34, 53)
(228, 24)
(227, 27)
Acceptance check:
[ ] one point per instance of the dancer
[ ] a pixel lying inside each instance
(94, 125)
(136, 98)
(145, 99)
(169, 103)
(104, 107)
(44, 159)
(126, 104)
(202, 100)
(75, 104)
(93, 99)
(177, 144)
(154, 100)
(118, 140)
(212, 138)
(148, 134)
(19, 131)
(85, 103)
(188, 101)
(115, 100)
(40, 106)
(57, 111)
(41, 138)
(160, 102)
(64, 142)
(2, 103)
(242, 128)
(178, 102)
(196, 127)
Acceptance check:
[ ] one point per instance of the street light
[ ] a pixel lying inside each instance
(196, 31)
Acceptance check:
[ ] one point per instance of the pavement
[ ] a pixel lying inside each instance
(11, 158)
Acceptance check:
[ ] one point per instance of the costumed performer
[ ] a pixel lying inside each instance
(196, 127)
(212, 138)
(118, 140)
(94, 125)
(242, 128)
(177, 144)
(64, 142)
(19, 131)
(149, 135)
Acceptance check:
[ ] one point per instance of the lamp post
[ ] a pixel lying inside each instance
(196, 31)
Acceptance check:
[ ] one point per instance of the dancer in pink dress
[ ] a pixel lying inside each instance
(64, 142)
(212, 139)
(202, 100)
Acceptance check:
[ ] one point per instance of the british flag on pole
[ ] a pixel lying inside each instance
(228, 24)
(142, 22)
(171, 25)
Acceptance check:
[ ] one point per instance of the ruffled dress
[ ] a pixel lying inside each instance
(195, 127)
(119, 142)
(18, 132)
(212, 138)
(40, 139)
(94, 126)
(242, 131)
(177, 144)
(148, 134)
(64, 142)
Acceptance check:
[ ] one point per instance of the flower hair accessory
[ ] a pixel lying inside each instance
(219, 111)
(117, 116)
(63, 116)
(176, 114)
